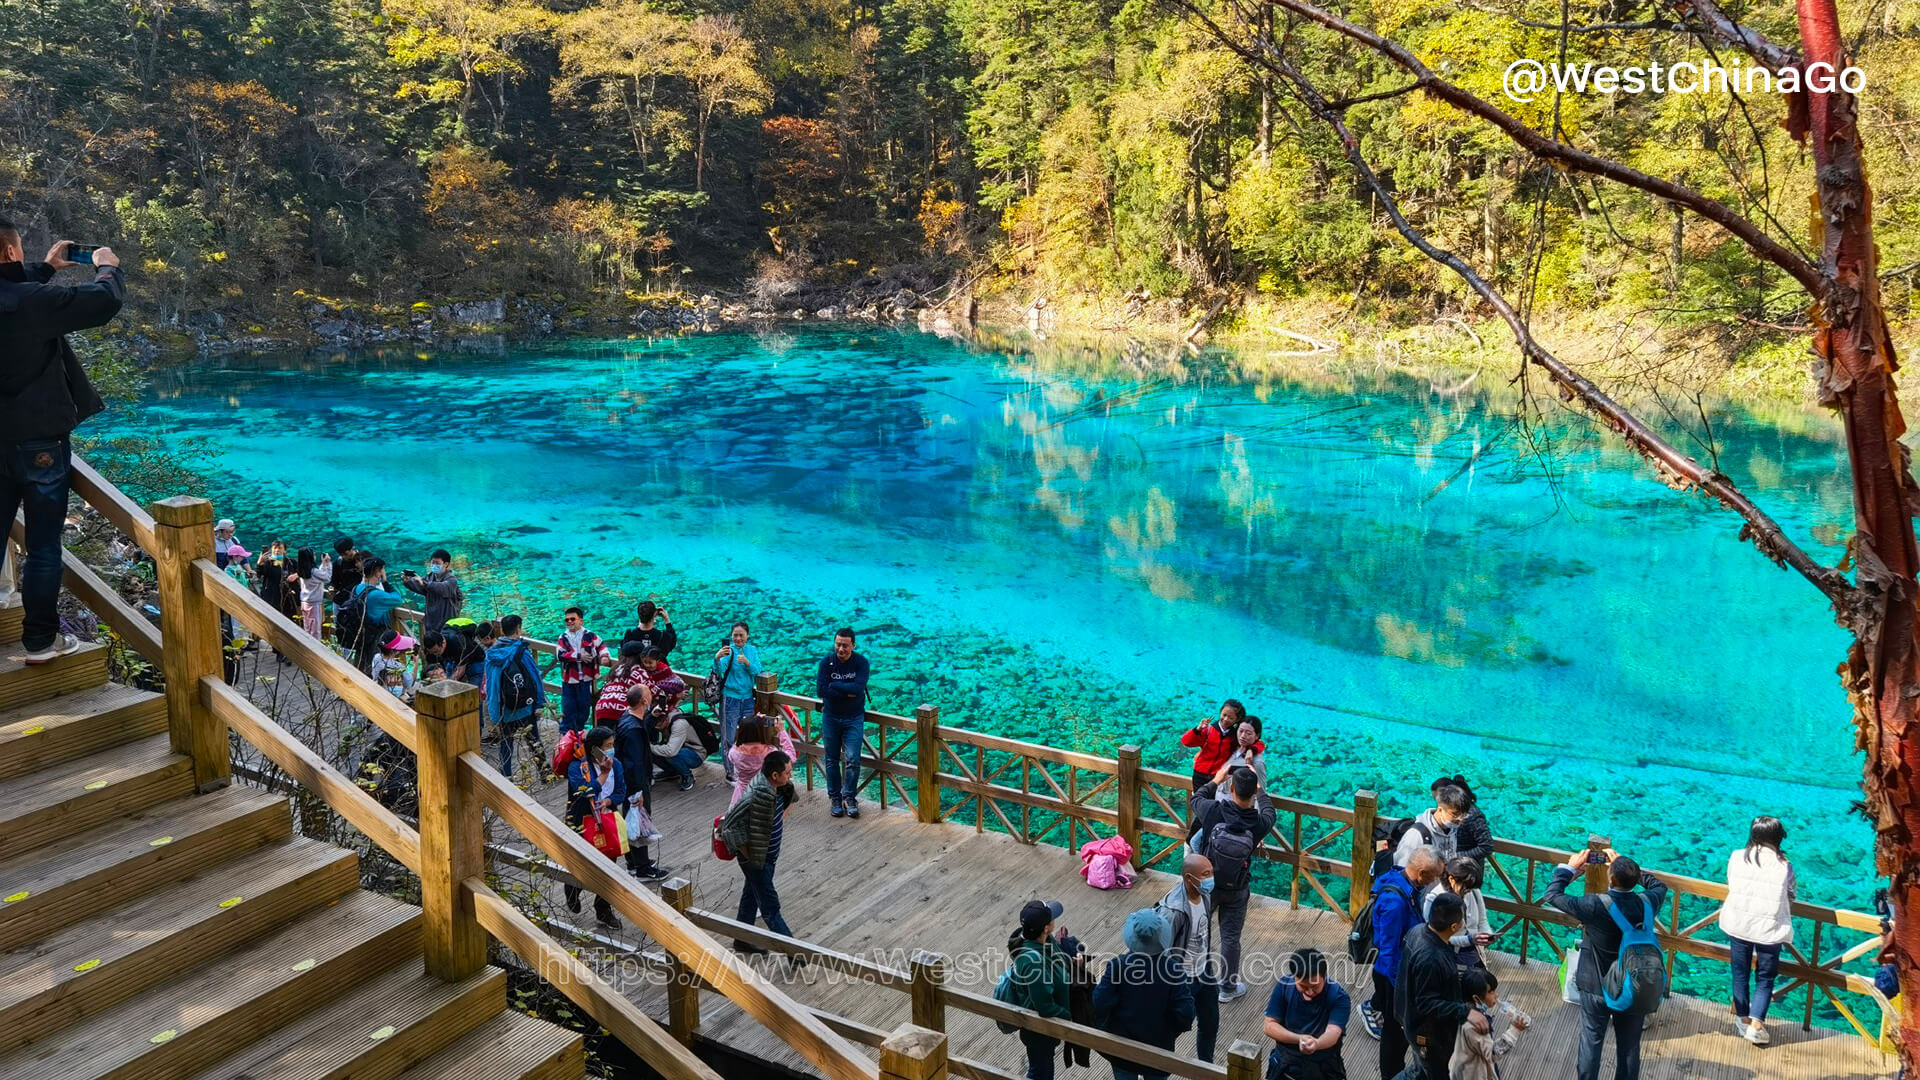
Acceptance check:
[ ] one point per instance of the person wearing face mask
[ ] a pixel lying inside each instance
(1188, 911)
(1438, 828)
(441, 589)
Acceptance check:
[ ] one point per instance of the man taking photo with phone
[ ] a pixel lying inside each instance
(44, 395)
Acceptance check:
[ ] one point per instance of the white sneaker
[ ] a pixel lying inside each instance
(1756, 1034)
(63, 645)
(1233, 993)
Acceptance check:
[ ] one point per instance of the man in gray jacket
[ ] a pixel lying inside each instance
(1188, 910)
(441, 589)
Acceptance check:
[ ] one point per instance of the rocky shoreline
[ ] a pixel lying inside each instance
(332, 324)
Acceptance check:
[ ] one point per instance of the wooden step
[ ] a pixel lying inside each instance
(511, 1046)
(60, 804)
(71, 725)
(21, 684)
(88, 967)
(10, 616)
(172, 1031)
(388, 1023)
(61, 884)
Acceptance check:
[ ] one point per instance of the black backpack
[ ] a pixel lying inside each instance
(1360, 938)
(1231, 847)
(516, 684)
(350, 618)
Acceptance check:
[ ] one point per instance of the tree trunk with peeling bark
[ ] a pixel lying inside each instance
(1882, 672)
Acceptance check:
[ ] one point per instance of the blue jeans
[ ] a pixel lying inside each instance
(1594, 1019)
(683, 763)
(576, 706)
(732, 711)
(1040, 1050)
(757, 896)
(841, 759)
(36, 474)
(1744, 955)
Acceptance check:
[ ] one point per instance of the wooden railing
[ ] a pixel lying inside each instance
(446, 848)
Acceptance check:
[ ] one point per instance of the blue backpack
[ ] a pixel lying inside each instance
(1637, 981)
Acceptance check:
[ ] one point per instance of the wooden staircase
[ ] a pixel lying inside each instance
(149, 933)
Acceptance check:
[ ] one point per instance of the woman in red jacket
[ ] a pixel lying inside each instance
(1215, 741)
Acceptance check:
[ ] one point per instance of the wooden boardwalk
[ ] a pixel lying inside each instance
(885, 886)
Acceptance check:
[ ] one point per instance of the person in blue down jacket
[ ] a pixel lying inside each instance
(1395, 912)
(1145, 994)
(515, 694)
(842, 689)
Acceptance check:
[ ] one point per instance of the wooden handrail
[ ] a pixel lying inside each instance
(568, 974)
(312, 772)
(309, 653)
(718, 967)
(111, 503)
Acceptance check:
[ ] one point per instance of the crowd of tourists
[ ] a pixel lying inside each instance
(626, 720)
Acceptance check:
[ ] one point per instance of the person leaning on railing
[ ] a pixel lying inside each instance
(44, 395)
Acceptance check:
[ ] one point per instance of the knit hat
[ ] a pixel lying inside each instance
(1146, 932)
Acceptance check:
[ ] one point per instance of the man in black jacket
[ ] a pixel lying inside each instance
(1427, 996)
(1599, 947)
(1230, 817)
(633, 745)
(44, 394)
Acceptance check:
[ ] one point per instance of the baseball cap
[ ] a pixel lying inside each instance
(1038, 913)
(238, 552)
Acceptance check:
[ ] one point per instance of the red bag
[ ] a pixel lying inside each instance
(573, 747)
(720, 848)
(603, 832)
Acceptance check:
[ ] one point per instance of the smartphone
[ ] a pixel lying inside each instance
(82, 254)
(1598, 858)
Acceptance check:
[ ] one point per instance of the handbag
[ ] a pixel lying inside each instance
(603, 832)
(1569, 971)
(720, 848)
(640, 825)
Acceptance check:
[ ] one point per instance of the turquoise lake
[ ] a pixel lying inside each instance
(1086, 547)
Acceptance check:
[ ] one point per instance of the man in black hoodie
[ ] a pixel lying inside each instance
(1427, 996)
(44, 395)
(1230, 817)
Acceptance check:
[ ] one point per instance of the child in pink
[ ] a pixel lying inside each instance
(756, 737)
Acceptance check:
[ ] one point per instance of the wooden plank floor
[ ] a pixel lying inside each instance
(885, 886)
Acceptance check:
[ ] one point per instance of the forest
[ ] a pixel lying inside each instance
(251, 153)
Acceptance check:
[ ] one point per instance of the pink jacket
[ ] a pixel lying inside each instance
(746, 762)
(1105, 863)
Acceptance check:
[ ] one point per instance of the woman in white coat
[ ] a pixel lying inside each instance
(1758, 921)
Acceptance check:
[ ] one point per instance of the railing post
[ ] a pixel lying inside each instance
(765, 685)
(913, 1053)
(1128, 784)
(926, 740)
(189, 636)
(452, 834)
(683, 993)
(1366, 807)
(1597, 872)
(929, 973)
(1243, 1061)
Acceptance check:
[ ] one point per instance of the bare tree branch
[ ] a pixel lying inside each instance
(1751, 42)
(1675, 468)
(1762, 244)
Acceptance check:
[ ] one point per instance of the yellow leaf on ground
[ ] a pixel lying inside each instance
(160, 841)
(382, 1033)
(305, 965)
(165, 1036)
(17, 897)
(231, 900)
(87, 965)
(96, 785)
